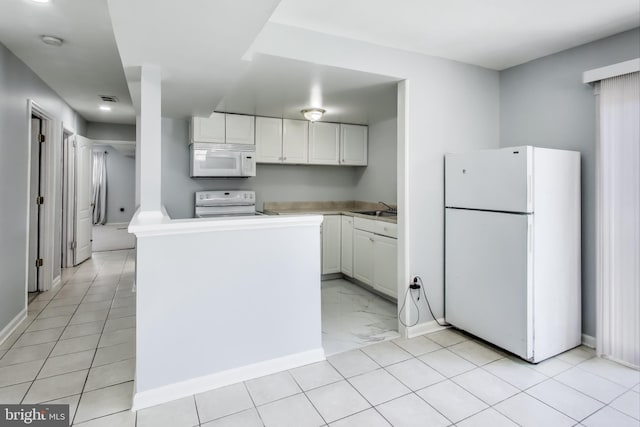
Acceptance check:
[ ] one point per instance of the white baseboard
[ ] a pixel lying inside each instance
(56, 282)
(589, 341)
(425, 328)
(13, 325)
(193, 386)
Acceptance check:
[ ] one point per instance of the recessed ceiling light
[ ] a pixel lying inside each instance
(105, 108)
(52, 40)
(41, 1)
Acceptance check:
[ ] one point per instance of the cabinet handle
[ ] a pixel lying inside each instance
(284, 158)
(370, 239)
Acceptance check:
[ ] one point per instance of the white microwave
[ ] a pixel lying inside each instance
(222, 160)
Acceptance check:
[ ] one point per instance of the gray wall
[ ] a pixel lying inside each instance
(272, 183)
(544, 103)
(18, 84)
(121, 169)
(378, 181)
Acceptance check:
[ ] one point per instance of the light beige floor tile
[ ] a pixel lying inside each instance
(114, 353)
(26, 354)
(628, 403)
(56, 387)
(609, 417)
(247, 418)
(91, 316)
(117, 337)
(337, 400)
(378, 386)
(612, 371)
(475, 352)
(82, 330)
(417, 346)
(114, 373)
(72, 401)
(39, 337)
(315, 375)
(353, 362)
(120, 419)
(222, 402)
(86, 307)
(13, 394)
(294, 411)
(552, 367)
(386, 353)
(590, 384)
(65, 310)
(515, 373)
(411, 411)
(415, 374)
(116, 313)
(178, 413)
(272, 387)
(20, 373)
(530, 412)
(60, 302)
(487, 418)
(105, 401)
(75, 345)
(66, 363)
(447, 363)
(577, 355)
(120, 323)
(48, 323)
(367, 418)
(565, 399)
(452, 401)
(485, 386)
(447, 337)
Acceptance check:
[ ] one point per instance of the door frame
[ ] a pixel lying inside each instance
(68, 196)
(50, 162)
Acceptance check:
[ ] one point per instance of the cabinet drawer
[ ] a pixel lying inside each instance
(388, 229)
(364, 224)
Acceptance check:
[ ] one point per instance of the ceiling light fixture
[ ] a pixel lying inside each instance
(105, 108)
(52, 40)
(313, 114)
(41, 1)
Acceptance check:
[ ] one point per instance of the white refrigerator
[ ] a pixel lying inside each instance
(512, 248)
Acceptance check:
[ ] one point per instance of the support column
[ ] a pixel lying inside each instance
(150, 134)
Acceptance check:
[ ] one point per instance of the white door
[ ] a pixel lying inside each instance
(83, 226)
(363, 256)
(295, 141)
(324, 143)
(268, 140)
(239, 129)
(488, 276)
(385, 265)
(496, 180)
(331, 244)
(353, 145)
(346, 248)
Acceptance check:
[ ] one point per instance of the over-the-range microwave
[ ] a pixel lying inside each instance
(210, 160)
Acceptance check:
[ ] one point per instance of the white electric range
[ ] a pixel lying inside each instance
(223, 203)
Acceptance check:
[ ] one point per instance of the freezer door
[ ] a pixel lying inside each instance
(496, 180)
(488, 277)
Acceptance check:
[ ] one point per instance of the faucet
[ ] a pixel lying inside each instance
(389, 208)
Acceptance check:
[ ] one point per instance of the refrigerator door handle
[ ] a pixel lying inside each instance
(529, 193)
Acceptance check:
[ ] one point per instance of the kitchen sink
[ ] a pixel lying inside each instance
(378, 213)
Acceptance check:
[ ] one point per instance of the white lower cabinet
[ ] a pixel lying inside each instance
(331, 242)
(346, 248)
(375, 259)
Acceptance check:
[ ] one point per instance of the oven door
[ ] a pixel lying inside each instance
(208, 162)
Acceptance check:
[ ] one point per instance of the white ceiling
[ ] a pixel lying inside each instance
(85, 66)
(496, 34)
(279, 87)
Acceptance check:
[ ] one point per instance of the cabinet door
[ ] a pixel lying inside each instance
(295, 141)
(347, 246)
(268, 140)
(385, 265)
(240, 129)
(353, 145)
(363, 256)
(324, 143)
(208, 129)
(331, 244)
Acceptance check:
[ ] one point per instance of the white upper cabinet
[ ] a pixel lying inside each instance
(240, 129)
(324, 143)
(208, 129)
(268, 140)
(353, 145)
(295, 141)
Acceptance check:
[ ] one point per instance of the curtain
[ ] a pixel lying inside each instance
(618, 220)
(99, 182)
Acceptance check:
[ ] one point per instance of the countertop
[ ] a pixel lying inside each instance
(350, 208)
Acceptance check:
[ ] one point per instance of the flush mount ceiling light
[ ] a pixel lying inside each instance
(313, 114)
(105, 108)
(52, 40)
(41, 1)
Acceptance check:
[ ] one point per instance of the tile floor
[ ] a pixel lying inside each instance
(78, 347)
(353, 317)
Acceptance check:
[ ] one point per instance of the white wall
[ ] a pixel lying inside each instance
(271, 183)
(544, 103)
(17, 84)
(451, 107)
